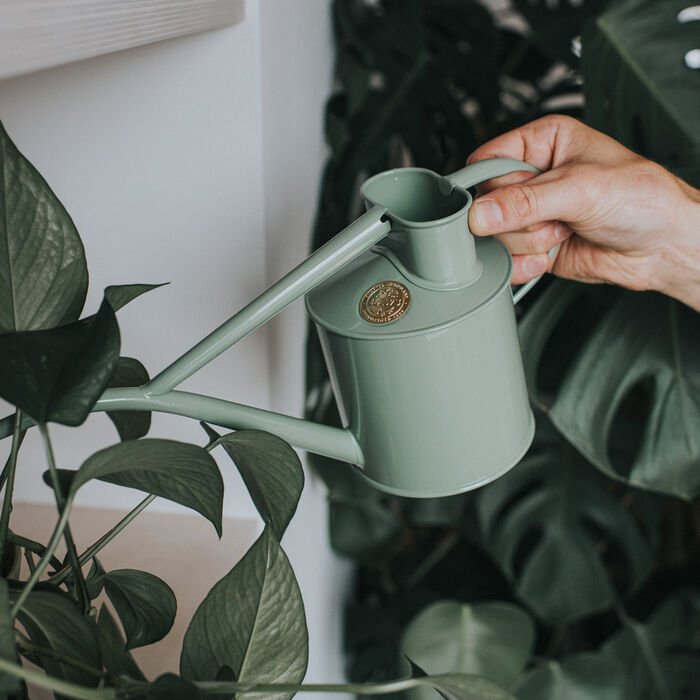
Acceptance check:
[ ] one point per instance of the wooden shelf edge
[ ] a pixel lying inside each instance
(37, 34)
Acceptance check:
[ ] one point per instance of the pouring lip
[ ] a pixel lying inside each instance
(442, 182)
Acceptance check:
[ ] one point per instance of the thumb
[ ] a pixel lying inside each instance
(514, 207)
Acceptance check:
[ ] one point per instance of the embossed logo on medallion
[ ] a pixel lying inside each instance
(385, 302)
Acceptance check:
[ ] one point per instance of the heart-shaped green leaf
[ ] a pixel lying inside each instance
(558, 533)
(661, 656)
(119, 295)
(252, 621)
(627, 395)
(130, 425)
(490, 639)
(59, 374)
(578, 677)
(180, 472)
(146, 605)
(116, 659)
(43, 273)
(8, 684)
(53, 621)
(271, 471)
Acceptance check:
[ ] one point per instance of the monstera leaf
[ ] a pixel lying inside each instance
(560, 535)
(577, 677)
(624, 371)
(555, 23)
(490, 639)
(638, 85)
(661, 656)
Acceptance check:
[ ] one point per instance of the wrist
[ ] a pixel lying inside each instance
(680, 271)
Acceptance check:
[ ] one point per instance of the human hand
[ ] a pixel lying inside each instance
(617, 217)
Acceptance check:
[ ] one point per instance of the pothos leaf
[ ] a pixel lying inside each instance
(182, 473)
(130, 425)
(119, 295)
(271, 471)
(8, 684)
(252, 621)
(559, 534)
(146, 605)
(59, 374)
(43, 273)
(53, 621)
(639, 344)
(116, 659)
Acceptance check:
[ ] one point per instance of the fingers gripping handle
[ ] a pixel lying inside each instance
(486, 170)
(477, 173)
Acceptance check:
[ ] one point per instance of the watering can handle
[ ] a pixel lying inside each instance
(487, 170)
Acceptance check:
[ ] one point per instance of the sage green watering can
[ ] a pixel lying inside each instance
(418, 330)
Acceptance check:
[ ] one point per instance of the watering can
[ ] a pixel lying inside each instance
(418, 331)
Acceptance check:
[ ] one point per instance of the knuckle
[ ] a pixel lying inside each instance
(523, 202)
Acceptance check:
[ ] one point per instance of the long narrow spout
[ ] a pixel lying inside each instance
(336, 443)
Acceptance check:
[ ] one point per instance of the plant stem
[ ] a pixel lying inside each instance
(93, 549)
(72, 556)
(32, 649)
(241, 688)
(44, 561)
(10, 484)
(29, 558)
(32, 546)
(69, 690)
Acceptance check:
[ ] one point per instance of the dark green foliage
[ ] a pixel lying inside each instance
(271, 471)
(145, 605)
(252, 621)
(58, 374)
(421, 83)
(638, 87)
(130, 425)
(54, 367)
(43, 273)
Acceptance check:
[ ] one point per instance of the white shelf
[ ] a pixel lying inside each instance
(36, 34)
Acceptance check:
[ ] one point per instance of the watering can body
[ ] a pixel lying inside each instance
(420, 340)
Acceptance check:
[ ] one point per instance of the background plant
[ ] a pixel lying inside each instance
(576, 575)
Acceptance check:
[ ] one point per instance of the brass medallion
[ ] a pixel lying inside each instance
(385, 302)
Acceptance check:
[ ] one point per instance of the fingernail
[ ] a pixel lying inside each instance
(533, 266)
(487, 215)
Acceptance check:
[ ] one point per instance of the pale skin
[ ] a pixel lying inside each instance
(617, 217)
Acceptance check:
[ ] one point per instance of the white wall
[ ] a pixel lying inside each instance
(196, 161)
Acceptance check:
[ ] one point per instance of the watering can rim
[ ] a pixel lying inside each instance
(441, 181)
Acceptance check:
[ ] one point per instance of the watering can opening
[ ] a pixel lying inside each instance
(415, 196)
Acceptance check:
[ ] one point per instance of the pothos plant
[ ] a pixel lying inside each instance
(576, 575)
(69, 616)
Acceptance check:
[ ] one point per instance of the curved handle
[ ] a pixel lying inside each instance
(486, 170)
